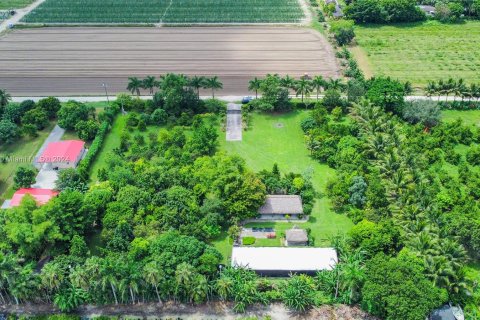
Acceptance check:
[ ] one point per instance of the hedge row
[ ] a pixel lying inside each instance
(95, 148)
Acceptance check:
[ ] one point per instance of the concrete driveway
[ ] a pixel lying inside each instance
(46, 177)
(234, 122)
(54, 136)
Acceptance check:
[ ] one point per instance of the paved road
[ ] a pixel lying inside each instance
(19, 15)
(76, 61)
(234, 122)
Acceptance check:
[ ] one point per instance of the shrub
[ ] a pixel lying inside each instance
(343, 31)
(473, 156)
(248, 241)
(37, 117)
(94, 149)
(73, 112)
(215, 106)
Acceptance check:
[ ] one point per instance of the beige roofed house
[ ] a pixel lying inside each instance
(280, 207)
(296, 237)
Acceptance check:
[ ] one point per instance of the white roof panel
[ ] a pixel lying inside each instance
(284, 259)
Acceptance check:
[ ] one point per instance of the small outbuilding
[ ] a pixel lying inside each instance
(41, 196)
(281, 207)
(281, 261)
(428, 10)
(296, 237)
(63, 154)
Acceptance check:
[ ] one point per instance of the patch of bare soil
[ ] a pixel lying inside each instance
(211, 311)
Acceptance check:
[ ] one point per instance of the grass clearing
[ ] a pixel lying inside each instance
(14, 4)
(420, 52)
(279, 139)
(469, 117)
(166, 11)
(21, 153)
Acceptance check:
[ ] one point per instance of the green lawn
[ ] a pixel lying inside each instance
(469, 117)
(420, 52)
(21, 153)
(14, 4)
(279, 138)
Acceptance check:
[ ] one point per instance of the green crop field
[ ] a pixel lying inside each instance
(14, 4)
(420, 52)
(166, 11)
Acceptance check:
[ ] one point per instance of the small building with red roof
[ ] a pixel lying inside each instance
(63, 154)
(41, 196)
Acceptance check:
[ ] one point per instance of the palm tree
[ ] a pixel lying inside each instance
(134, 85)
(196, 83)
(335, 84)
(431, 89)
(51, 277)
(214, 84)
(149, 83)
(184, 277)
(287, 82)
(200, 289)
(152, 274)
(303, 87)
(4, 98)
(254, 85)
(318, 83)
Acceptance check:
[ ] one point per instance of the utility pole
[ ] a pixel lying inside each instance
(104, 85)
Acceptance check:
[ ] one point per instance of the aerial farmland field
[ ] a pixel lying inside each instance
(420, 52)
(76, 61)
(166, 11)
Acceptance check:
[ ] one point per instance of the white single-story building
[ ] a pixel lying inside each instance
(296, 237)
(281, 207)
(281, 261)
(63, 154)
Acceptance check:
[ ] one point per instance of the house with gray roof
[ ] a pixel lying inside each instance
(281, 207)
(296, 237)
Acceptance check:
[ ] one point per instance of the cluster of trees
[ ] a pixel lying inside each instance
(455, 10)
(26, 118)
(275, 90)
(411, 215)
(383, 11)
(176, 101)
(196, 83)
(79, 117)
(454, 88)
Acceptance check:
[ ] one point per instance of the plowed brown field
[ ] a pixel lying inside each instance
(76, 61)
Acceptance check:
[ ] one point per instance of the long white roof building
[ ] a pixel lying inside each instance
(284, 260)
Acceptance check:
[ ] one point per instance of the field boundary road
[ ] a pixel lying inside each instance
(76, 61)
(20, 13)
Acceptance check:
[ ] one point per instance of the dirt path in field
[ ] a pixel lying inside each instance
(210, 311)
(362, 60)
(76, 61)
(306, 11)
(20, 13)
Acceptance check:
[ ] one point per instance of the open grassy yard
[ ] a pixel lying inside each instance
(279, 139)
(469, 117)
(14, 4)
(20, 153)
(420, 52)
(166, 11)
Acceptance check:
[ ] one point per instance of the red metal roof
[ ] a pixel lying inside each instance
(42, 196)
(62, 151)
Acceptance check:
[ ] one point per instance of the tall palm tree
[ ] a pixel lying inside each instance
(153, 274)
(197, 83)
(214, 84)
(4, 98)
(335, 84)
(303, 87)
(318, 83)
(254, 85)
(287, 82)
(134, 85)
(149, 83)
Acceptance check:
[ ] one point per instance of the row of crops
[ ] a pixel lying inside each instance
(166, 11)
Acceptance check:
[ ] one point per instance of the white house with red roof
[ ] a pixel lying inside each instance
(41, 196)
(63, 154)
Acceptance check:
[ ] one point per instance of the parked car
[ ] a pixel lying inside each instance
(246, 100)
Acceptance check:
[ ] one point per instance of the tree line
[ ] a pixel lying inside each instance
(151, 83)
